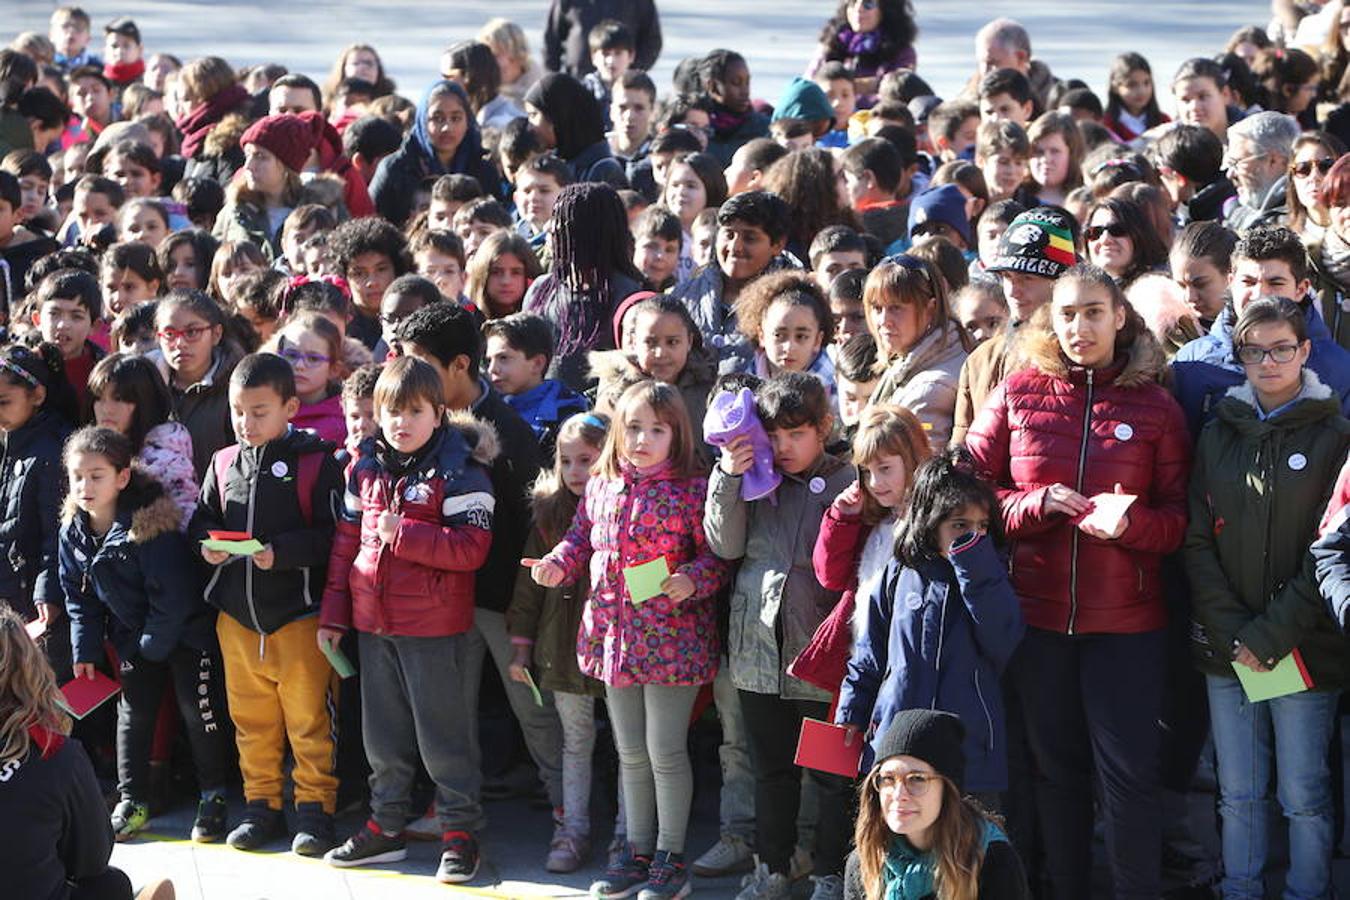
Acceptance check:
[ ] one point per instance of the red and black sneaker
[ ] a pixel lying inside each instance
(459, 858)
(367, 847)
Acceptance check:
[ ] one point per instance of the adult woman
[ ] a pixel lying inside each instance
(1330, 255)
(871, 37)
(567, 118)
(1089, 417)
(217, 114)
(520, 70)
(473, 65)
(276, 149)
(443, 141)
(1263, 470)
(592, 273)
(922, 346)
(357, 61)
(1314, 153)
(1121, 239)
(915, 837)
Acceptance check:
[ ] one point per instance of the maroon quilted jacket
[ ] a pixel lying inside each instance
(1088, 430)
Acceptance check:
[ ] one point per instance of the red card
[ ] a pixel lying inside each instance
(821, 746)
(84, 695)
(229, 535)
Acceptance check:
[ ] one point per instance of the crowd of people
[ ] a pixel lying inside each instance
(996, 442)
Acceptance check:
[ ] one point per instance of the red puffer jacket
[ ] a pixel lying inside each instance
(1089, 430)
(422, 584)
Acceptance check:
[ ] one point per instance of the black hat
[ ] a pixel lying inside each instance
(123, 26)
(1040, 242)
(930, 735)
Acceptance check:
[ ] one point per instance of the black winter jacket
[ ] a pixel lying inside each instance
(31, 485)
(260, 497)
(513, 474)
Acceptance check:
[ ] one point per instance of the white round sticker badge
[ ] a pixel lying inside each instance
(279, 469)
(816, 485)
(1124, 432)
(1298, 462)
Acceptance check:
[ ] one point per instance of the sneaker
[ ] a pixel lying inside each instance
(762, 884)
(261, 826)
(802, 864)
(625, 875)
(828, 887)
(128, 818)
(368, 846)
(567, 852)
(209, 826)
(731, 855)
(667, 879)
(314, 835)
(427, 828)
(459, 858)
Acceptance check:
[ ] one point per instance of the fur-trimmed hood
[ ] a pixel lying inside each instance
(481, 436)
(157, 514)
(225, 134)
(616, 370)
(1145, 361)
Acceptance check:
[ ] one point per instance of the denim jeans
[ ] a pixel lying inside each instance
(1289, 735)
(737, 812)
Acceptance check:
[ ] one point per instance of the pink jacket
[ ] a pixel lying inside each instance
(325, 419)
(623, 522)
(167, 454)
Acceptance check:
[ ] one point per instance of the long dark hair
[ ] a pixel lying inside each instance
(943, 486)
(1149, 249)
(806, 180)
(135, 380)
(897, 31)
(41, 366)
(1121, 67)
(482, 75)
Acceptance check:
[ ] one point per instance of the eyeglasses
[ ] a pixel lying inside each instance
(1229, 164)
(1115, 229)
(300, 360)
(1304, 169)
(1250, 355)
(191, 335)
(916, 783)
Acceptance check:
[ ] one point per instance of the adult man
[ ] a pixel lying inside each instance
(1257, 162)
(1005, 44)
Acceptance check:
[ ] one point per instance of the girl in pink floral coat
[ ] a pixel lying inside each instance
(653, 653)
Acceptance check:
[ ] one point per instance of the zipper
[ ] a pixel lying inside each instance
(942, 633)
(248, 567)
(989, 720)
(1078, 486)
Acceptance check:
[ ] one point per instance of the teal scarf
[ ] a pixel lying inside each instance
(908, 874)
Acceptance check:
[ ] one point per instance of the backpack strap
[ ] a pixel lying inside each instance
(309, 465)
(222, 461)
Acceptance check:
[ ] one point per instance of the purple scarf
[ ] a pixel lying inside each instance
(859, 44)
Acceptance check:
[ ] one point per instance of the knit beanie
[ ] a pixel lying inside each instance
(930, 735)
(287, 136)
(944, 203)
(1038, 242)
(803, 99)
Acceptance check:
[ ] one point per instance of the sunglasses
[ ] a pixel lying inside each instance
(916, 783)
(1115, 229)
(1304, 169)
(1253, 356)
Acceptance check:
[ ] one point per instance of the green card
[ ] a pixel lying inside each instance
(645, 579)
(235, 548)
(1288, 677)
(338, 660)
(534, 689)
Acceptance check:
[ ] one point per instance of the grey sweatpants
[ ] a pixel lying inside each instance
(651, 727)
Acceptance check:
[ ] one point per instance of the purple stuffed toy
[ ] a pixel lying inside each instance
(731, 416)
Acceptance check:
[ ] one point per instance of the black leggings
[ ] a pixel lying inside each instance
(110, 884)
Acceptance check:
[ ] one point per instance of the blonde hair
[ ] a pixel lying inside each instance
(506, 36)
(203, 78)
(552, 503)
(28, 693)
(668, 406)
(1062, 124)
(889, 430)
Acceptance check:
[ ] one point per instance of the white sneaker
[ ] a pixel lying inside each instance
(828, 887)
(762, 884)
(427, 828)
(731, 855)
(801, 864)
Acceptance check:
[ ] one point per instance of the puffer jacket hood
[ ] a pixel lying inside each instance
(616, 370)
(167, 455)
(154, 515)
(1091, 430)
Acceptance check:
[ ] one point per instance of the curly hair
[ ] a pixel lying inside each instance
(805, 179)
(897, 32)
(795, 288)
(369, 235)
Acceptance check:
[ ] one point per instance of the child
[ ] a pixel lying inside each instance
(518, 350)
(544, 622)
(35, 179)
(185, 259)
(122, 62)
(952, 127)
(612, 52)
(69, 32)
(370, 253)
(448, 194)
(855, 373)
(438, 256)
(993, 222)
(750, 162)
(648, 474)
(1201, 260)
(405, 296)
(478, 219)
(358, 407)
(1198, 89)
(1056, 157)
(776, 606)
(836, 249)
(1001, 152)
(93, 209)
(874, 174)
(981, 309)
(142, 219)
(658, 238)
(1006, 94)
(949, 537)
(538, 184)
(694, 182)
(66, 306)
(130, 581)
(268, 633)
(255, 301)
(133, 331)
(302, 224)
(787, 318)
(196, 361)
(846, 306)
(131, 275)
(704, 234)
(232, 261)
(402, 576)
(1131, 104)
(313, 347)
(500, 273)
(19, 247)
(130, 397)
(837, 81)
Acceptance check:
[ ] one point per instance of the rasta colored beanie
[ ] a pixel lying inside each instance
(287, 136)
(930, 735)
(1038, 242)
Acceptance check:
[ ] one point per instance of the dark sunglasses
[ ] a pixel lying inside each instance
(1304, 169)
(1115, 229)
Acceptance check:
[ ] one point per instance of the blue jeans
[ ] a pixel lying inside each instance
(1249, 738)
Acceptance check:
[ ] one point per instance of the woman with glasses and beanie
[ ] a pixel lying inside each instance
(916, 837)
(1329, 252)
(1264, 468)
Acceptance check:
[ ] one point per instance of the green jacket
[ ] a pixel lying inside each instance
(1256, 495)
(246, 222)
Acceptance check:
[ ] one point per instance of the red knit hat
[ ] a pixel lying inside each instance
(286, 136)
